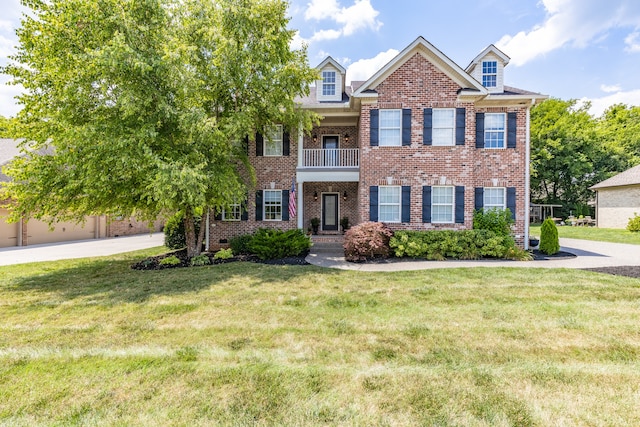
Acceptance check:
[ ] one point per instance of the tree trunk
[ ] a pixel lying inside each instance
(203, 226)
(190, 234)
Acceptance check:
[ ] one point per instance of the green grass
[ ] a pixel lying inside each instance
(593, 233)
(91, 342)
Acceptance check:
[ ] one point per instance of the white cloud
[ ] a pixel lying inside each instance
(359, 16)
(570, 23)
(632, 42)
(365, 68)
(610, 88)
(8, 106)
(599, 105)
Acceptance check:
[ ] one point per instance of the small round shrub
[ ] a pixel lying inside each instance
(240, 244)
(368, 240)
(170, 260)
(549, 242)
(200, 260)
(223, 254)
(634, 223)
(174, 234)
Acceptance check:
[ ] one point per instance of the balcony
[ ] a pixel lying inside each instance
(334, 158)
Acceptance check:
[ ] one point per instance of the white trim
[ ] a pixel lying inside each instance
(399, 127)
(504, 131)
(527, 178)
(265, 140)
(452, 140)
(300, 207)
(399, 204)
(264, 201)
(502, 206)
(453, 204)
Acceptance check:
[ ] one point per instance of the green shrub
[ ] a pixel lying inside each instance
(273, 244)
(367, 241)
(174, 234)
(497, 220)
(634, 223)
(200, 260)
(170, 260)
(224, 254)
(549, 242)
(240, 244)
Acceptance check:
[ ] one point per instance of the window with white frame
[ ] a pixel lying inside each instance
(272, 205)
(390, 128)
(442, 204)
(494, 198)
(273, 141)
(328, 83)
(232, 213)
(389, 200)
(494, 130)
(490, 73)
(443, 126)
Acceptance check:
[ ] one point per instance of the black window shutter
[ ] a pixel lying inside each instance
(426, 203)
(259, 205)
(246, 144)
(406, 126)
(427, 127)
(461, 119)
(511, 201)
(286, 143)
(244, 216)
(459, 204)
(479, 198)
(406, 203)
(259, 145)
(479, 130)
(217, 216)
(373, 128)
(512, 120)
(373, 203)
(285, 205)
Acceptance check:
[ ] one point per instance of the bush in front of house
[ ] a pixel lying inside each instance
(497, 220)
(174, 234)
(367, 240)
(549, 241)
(634, 223)
(240, 244)
(269, 243)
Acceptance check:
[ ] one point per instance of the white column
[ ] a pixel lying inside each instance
(300, 205)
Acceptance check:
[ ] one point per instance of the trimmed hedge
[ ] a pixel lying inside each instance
(269, 243)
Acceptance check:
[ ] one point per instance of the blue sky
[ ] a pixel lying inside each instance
(580, 49)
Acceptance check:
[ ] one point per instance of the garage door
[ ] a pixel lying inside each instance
(39, 232)
(8, 232)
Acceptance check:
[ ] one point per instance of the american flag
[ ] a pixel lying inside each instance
(292, 198)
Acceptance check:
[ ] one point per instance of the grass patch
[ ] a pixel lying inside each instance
(85, 342)
(593, 233)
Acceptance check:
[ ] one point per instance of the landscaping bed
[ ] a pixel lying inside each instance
(154, 262)
(625, 270)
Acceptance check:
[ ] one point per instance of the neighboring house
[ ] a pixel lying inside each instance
(618, 199)
(34, 232)
(420, 145)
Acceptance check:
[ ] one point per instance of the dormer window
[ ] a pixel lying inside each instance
(489, 73)
(328, 83)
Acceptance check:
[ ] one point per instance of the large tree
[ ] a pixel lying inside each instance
(143, 107)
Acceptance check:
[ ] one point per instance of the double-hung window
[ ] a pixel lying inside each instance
(442, 204)
(489, 73)
(328, 83)
(390, 128)
(273, 141)
(389, 203)
(494, 198)
(232, 213)
(273, 205)
(443, 126)
(494, 130)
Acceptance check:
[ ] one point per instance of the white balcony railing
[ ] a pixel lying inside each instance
(331, 158)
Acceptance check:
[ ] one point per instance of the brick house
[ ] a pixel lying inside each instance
(420, 145)
(618, 199)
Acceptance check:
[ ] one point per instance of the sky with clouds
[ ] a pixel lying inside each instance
(569, 49)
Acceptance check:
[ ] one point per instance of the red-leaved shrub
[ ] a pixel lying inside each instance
(367, 241)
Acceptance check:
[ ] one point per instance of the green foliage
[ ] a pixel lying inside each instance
(634, 223)
(367, 240)
(224, 254)
(170, 260)
(200, 260)
(455, 244)
(240, 244)
(549, 241)
(174, 234)
(270, 243)
(497, 220)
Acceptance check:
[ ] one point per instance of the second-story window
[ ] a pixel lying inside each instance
(390, 127)
(494, 130)
(490, 73)
(444, 126)
(273, 141)
(328, 83)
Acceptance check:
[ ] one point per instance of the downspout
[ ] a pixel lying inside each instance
(206, 233)
(300, 207)
(527, 178)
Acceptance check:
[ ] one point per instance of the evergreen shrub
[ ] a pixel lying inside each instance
(269, 243)
(549, 241)
(634, 223)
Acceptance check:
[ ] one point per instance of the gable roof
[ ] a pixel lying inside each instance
(628, 177)
(489, 49)
(330, 60)
(9, 150)
(435, 56)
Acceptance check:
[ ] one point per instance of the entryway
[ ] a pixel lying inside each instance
(330, 211)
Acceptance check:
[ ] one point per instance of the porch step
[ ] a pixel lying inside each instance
(327, 244)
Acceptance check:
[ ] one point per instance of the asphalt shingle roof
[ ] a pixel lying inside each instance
(628, 177)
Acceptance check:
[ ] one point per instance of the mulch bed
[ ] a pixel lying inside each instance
(625, 270)
(153, 263)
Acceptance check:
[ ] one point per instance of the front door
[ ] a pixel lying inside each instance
(330, 212)
(330, 145)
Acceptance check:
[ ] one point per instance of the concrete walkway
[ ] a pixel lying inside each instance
(589, 255)
(79, 249)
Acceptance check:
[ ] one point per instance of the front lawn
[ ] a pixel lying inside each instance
(593, 233)
(92, 342)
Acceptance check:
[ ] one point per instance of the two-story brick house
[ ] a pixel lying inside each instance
(420, 145)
